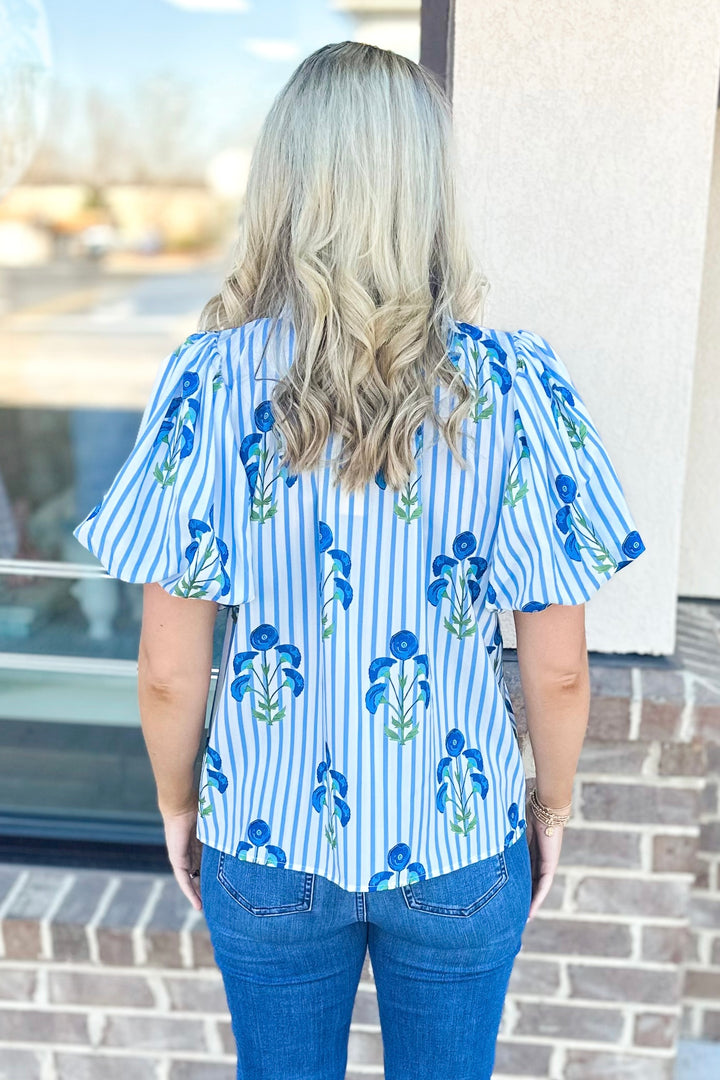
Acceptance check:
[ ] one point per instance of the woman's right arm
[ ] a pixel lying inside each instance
(554, 672)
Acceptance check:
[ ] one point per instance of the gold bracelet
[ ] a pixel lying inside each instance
(546, 815)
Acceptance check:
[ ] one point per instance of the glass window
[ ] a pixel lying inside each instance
(127, 133)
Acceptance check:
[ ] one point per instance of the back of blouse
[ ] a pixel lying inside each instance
(362, 728)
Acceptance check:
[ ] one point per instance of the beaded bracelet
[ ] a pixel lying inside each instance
(549, 817)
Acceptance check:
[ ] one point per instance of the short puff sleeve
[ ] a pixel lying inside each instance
(564, 526)
(177, 512)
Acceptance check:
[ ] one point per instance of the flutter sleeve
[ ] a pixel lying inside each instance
(564, 526)
(177, 512)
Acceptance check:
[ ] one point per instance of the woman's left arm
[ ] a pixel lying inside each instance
(174, 667)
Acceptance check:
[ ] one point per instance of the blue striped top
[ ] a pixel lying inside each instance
(362, 728)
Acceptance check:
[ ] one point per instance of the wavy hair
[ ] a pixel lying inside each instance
(351, 228)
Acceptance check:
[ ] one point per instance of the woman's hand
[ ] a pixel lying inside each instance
(184, 851)
(544, 858)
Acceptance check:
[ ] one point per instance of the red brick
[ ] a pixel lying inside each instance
(201, 1070)
(98, 988)
(675, 854)
(583, 846)
(665, 944)
(702, 984)
(595, 1065)
(20, 1064)
(683, 759)
(17, 984)
(607, 983)
(627, 896)
(710, 836)
(154, 1033)
(655, 1029)
(707, 722)
(521, 1059)
(558, 1021)
(196, 994)
(202, 950)
(531, 976)
(576, 936)
(40, 1026)
(711, 1025)
(613, 756)
(641, 803)
(94, 1066)
(705, 911)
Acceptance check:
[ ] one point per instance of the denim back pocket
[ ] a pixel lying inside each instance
(460, 892)
(265, 890)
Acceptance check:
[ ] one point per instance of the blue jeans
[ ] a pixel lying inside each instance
(291, 946)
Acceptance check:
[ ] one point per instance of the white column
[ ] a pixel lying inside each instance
(586, 134)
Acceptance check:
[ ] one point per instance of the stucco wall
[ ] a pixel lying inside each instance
(586, 134)
(700, 547)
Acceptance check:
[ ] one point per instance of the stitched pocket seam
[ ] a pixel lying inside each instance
(415, 904)
(305, 904)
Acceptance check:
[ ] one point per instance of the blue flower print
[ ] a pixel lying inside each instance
(340, 567)
(580, 533)
(398, 859)
(494, 649)
(407, 505)
(330, 794)
(177, 430)
(258, 457)
(499, 373)
(459, 781)
(207, 555)
(458, 580)
(402, 726)
(258, 832)
(515, 488)
(517, 824)
(215, 779)
(562, 400)
(248, 680)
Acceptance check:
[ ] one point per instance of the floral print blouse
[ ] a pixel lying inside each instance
(361, 727)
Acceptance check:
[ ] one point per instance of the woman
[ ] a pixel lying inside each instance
(365, 475)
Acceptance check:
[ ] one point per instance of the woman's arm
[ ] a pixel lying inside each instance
(554, 672)
(174, 666)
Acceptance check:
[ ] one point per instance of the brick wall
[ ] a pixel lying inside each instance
(111, 975)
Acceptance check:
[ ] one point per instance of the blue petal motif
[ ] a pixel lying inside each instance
(454, 742)
(294, 679)
(474, 589)
(240, 686)
(213, 757)
(562, 519)
(264, 418)
(217, 780)
(250, 447)
(478, 565)
(343, 592)
(565, 394)
(288, 654)
(443, 769)
(380, 667)
(379, 881)
(509, 838)
(501, 376)
(341, 561)
(442, 797)
(276, 856)
(319, 797)
(415, 872)
(375, 697)
(463, 545)
(535, 605)
(424, 688)
(398, 856)
(444, 563)
(480, 783)
(633, 545)
(475, 758)
(571, 546)
(242, 849)
(264, 636)
(490, 595)
(258, 832)
(243, 661)
(422, 664)
(471, 331)
(380, 479)
(196, 528)
(513, 814)
(342, 810)
(437, 590)
(404, 644)
(339, 782)
(223, 549)
(325, 536)
(187, 438)
(566, 487)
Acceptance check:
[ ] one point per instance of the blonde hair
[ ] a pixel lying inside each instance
(350, 226)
